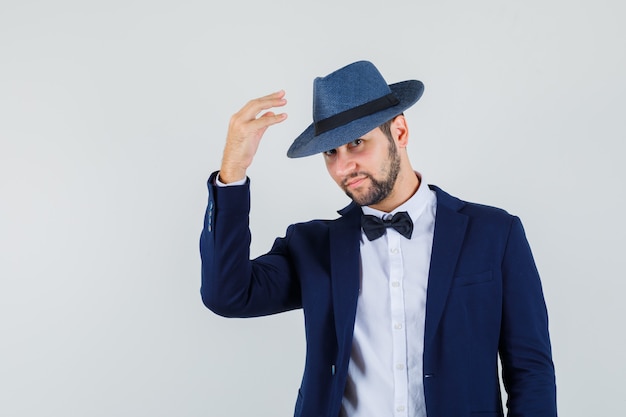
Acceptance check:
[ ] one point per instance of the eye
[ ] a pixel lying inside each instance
(330, 152)
(355, 143)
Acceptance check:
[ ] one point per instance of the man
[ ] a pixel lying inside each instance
(410, 296)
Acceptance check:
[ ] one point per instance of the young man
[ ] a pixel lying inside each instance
(410, 296)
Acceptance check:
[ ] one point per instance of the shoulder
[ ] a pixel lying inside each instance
(485, 226)
(349, 219)
(475, 211)
(315, 226)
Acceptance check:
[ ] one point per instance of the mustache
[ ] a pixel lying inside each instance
(353, 175)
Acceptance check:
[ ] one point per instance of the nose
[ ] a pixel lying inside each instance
(344, 163)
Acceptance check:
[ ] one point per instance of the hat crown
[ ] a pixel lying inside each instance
(348, 87)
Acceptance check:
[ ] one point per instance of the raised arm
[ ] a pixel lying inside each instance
(232, 284)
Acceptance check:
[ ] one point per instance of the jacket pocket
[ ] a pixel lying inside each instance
(472, 279)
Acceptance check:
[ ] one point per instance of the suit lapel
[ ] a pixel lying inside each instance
(345, 234)
(450, 228)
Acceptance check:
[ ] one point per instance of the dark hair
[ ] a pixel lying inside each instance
(386, 127)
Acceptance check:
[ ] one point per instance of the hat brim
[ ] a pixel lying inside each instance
(407, 92)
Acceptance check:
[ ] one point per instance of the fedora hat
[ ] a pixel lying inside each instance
(350, 102)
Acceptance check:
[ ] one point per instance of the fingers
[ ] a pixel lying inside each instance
(250, 121)
(267, 119)
(245, 131)
(252, 109)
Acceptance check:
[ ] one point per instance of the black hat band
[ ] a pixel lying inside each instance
(355, 113)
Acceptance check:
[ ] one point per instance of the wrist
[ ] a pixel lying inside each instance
(230, 174)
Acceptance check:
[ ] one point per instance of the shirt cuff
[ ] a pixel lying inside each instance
(230, 184)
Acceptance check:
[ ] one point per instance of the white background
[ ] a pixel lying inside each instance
(113, 114)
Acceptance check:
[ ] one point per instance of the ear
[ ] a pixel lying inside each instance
(400, 131)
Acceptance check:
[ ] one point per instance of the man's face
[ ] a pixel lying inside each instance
(366, 169)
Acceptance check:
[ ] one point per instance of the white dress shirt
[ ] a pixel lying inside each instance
(385, 374)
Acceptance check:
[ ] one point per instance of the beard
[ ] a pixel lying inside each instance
(380, 188)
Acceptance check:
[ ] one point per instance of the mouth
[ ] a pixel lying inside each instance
(353, 182)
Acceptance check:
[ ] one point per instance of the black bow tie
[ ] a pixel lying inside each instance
(374, 227)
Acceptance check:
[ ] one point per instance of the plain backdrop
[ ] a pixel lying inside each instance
(113, 114)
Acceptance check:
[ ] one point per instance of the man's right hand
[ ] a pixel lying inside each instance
(245, 131)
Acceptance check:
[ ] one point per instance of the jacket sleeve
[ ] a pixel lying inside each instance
(232, 284)
(525, 351)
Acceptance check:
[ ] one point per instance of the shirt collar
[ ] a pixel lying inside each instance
(415, 205)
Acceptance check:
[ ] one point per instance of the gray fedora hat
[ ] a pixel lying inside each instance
(350, 102)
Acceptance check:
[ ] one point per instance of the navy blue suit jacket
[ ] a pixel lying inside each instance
(484, 298)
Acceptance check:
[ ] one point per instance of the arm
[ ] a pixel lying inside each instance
(527, 368)
(233, 285)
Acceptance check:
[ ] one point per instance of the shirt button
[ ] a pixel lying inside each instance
(399, 367)
(400, 408)
(395, 284)
(394, 250)
(397, 326)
